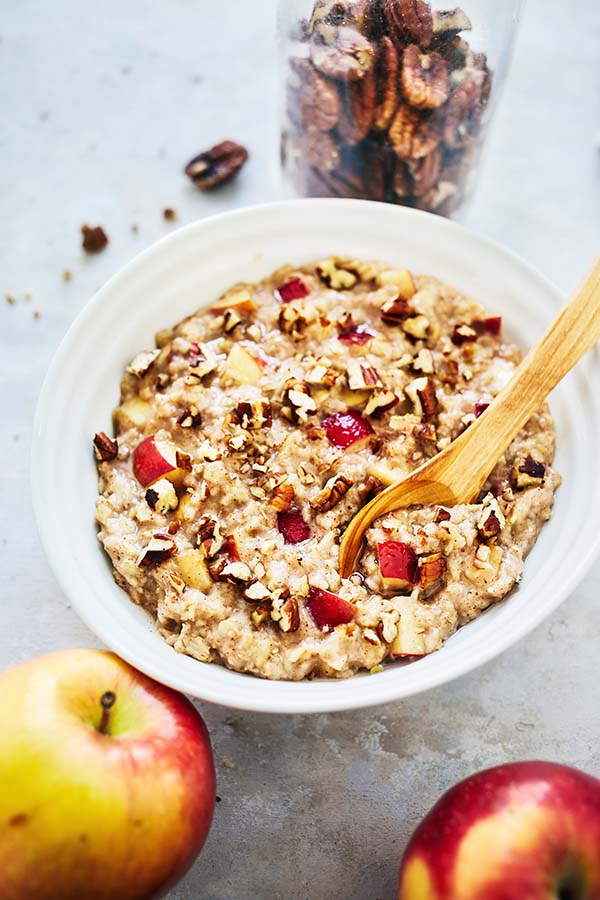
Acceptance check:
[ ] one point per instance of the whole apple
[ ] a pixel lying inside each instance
(522, 831)
(108, 782)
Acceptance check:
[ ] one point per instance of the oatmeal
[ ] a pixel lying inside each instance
(247, 439)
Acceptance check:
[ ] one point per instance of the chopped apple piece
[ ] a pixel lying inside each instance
(398, 566)
(193, 570)
(491, 325)
(241, 366)
(399, 278)
(292, 526)
(295, 289)
(385, 473)
(358, 334)
(347, 429)
(329, 610)
(154, 459)
(409, 641)
(134, 413)
(238, 299)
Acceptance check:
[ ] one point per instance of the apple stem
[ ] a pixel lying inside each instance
(107, 701)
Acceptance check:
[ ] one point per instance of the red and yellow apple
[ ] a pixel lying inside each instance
(397, 565)
(108, 783)
(154, 459)
(328, 610)
(522, 831)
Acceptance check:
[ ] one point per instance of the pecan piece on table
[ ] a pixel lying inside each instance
(216, 166)
(410, 17)
(424, 78)
(331, 493)
(105, 449)
(358, 108)
(94, 239)
(386, 76)
(411, 135)
(348, 58)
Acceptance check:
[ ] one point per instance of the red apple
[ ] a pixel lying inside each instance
(292, 290)
(346, 429)
(491, 325)
(154, 459)
(108, 783)
(329, 610)
(522, 831)
(480, 408)
(398, 565)
(292, 526)
(357, 334)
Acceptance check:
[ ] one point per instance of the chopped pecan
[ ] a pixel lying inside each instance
(202, 362)
(358, 109)
(425, 172)
(297, 401)
(236, 572)
(321, 373)
(380, 402)
(432, 574)
(451, 372)
(282, 496)
(142, 362)
(94, 239)
(209, 536)
(426, 434)
(161, 496)
(412, 136)
(462, 334)
(491, 520)
(422, 393)
(105, 449)
(386, 78)
(253, 415)
(362, 377)
(315, 432)
(331, 493)
(441, 515)
(190, 418)
(160, 548)
(287, 614)
(410, 18)
(370, 488)
(450, 21)
(260, 615)
(292, 321)
(527, 472)
(348, 58)
(334, 276)
(416, 327)
(216, 166)
(395, 311)
(231, 320)
(319, 100)
(424, 78)
(423, 362)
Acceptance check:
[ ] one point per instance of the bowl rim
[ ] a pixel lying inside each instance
(393, 690)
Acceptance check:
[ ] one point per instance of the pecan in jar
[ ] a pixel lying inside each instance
(316, 97)
(409, 17)
(387, 65)
(216, 166)
(358, 108)
(425, 172)
(424, 78)
(320, 151)
(348, 58)
(462, 115)
(412, 136)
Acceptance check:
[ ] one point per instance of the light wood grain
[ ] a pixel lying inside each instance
(457, 474)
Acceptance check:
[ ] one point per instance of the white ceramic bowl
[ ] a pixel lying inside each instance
(189, 269)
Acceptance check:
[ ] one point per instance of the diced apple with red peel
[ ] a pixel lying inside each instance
(397, 565)
(242, 366)
(409, 642)
(480, 408)
(328, 610)
(491, 325)
(358, 334)
(347, 429)
(292, 526)
(295, 289)
(154, 459)
(238, 299)
(231, 549)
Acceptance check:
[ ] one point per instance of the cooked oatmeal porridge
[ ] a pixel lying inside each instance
(246, 441)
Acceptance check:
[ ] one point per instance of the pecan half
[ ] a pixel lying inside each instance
(432, 574)
(410, 18)
(105, 449)
(527, 472)
(216, 166)
(424, 78)
(412, 137)
(348, 58)
(331, 493)
(358, 109)
(160, 548)
(387, 65)
(425, 172)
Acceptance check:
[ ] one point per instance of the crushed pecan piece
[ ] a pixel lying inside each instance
(202, 362)
(94, 239)
(348, 58)
(236, 572)
(426, 434)
(334, 276)
(491, 520)
(161, 496)
(423, 362)
(395, 311)
(527, 472)
(297, 401)
(331, 493)
(190, 418)
(315, 432)
(292, 321)
(216, 166)
(210, 538)
(380, 402)
(142, 362)
(362, 377)
(322, 373)
(105, 449)
(370, 488)
(441, 515)
(422, 393)
(231, 320)
(260, 615)
(253, 415)
(282, 496)
(416, 327)
(287, 614)
(432, 574)
(160, 548)
(462, 334)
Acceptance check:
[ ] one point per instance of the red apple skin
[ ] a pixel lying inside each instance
(521, 831)
(328, 610)
(292, 290)
(148, 462)
(347, 429)
(398, 565)
(86, 815)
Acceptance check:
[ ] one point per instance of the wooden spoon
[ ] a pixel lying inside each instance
(458, 473)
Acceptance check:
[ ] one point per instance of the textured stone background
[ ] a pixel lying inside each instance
(101, 106)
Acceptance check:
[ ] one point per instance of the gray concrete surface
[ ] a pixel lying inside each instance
(101, 106)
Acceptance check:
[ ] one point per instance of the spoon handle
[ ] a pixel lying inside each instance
(575, 331)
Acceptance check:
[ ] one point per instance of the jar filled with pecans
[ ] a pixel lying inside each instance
(390, 99)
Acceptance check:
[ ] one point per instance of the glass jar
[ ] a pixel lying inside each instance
(390, 99)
